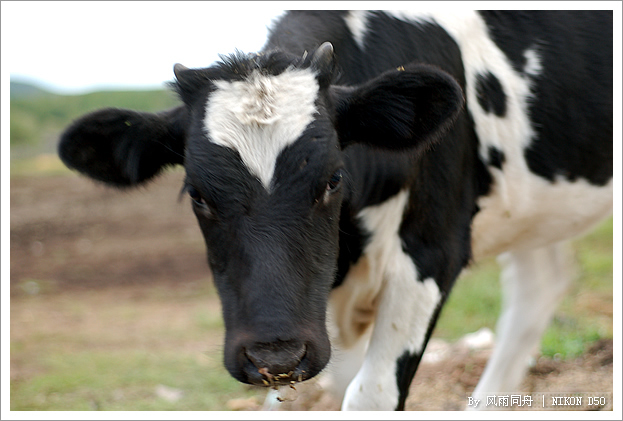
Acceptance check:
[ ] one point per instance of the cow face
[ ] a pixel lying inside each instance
(265, 174)
(261, 138)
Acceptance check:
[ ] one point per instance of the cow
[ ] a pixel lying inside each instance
(346, 174)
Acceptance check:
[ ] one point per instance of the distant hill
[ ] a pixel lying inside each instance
(26, 90)
(38, 116)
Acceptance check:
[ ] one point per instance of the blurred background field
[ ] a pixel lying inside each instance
(38, 116)
(112, 305)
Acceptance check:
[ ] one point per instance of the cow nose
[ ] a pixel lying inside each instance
(276, 363)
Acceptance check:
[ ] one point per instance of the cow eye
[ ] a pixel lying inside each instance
(335, 181)
(196, 196)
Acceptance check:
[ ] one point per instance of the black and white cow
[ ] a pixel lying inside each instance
(359, 162)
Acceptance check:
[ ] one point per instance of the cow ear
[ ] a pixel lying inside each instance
(124, 148)
(399, 109)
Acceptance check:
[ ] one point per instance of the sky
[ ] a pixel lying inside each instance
(75, 47)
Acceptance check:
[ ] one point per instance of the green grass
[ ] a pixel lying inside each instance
(583, 316)
(81, 351)
(125, 380)
(474, 302)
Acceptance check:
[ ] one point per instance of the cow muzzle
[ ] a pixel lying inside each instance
(275, 364)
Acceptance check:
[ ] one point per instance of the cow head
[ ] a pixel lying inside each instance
(261, 139)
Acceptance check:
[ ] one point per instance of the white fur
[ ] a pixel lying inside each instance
(383, 287)
(533, 63)
(357, 22)
(405, 310)
(547, 213)
(391, 264)
(261, 116)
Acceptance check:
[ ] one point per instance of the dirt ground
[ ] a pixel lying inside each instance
(69, 234)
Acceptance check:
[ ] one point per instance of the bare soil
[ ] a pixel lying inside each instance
(69, 234)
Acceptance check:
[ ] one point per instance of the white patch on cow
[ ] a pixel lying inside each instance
(401, 283)
(405, 309)
(383, 288)
(523, 210)
(261, 116)
(533, 63)
(535, 212)
(357, 22)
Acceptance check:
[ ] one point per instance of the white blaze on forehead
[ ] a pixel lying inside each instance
(262, 115)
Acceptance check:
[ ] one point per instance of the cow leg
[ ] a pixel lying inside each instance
(352, 308)
(533, 283)
(344, 365)
(407, 308)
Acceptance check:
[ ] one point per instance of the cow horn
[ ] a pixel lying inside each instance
(323, 62)
(323, 56)
(178, 69)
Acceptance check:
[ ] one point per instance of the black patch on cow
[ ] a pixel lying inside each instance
(571, 104)
(490, 94)
(353, 240)
(443, 193)
(406, 366)
(592, 164)
(374, 176)
(482, 178)
(496, 157)
(408, 362)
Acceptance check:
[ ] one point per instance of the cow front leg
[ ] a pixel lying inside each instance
(407, 310)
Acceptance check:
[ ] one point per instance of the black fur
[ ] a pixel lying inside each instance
(496, 157)
(572, 110)
(398, 106)
(490, 94)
